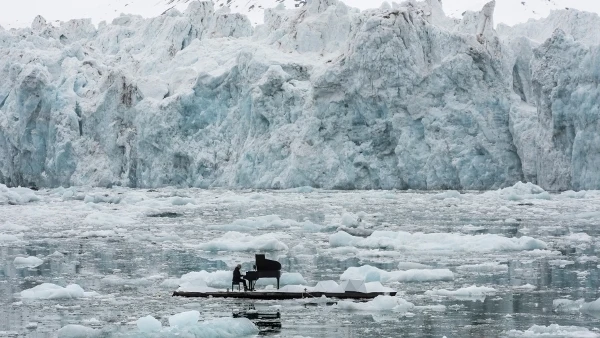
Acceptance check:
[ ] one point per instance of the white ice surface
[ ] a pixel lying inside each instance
(27, 262)
(53, 291)
(554, 331)
(372, 274)
(399, 97)
(380, 303)
(436, 242)
(467, 293)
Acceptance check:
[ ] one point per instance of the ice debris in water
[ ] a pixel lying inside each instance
(236, 241)
(468, 293)
(521, 191)
(27, 262)
(554, 331)
(567, 305)
(379, 303)
(16, 195)
(370, 274)
(148, 324)
(53, 291)
(186, 325)
(188, 318)
(432, 242)
(78, 331)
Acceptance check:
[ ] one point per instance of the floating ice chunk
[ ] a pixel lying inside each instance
(554, 331)
(290, 278)
(262, 223)
(78, 331)
(27, 262)
(560, 262)
(447, 194)
(567, 305)
(521, 191)
(411, 265)
(221, 328)
(148, 324)
(6, 238)
(573, 194)
(350, 220)
(235, 241)
(16, 195)
(526, 287)
(103, 219)
(377, 287)
(493, 267)
(379, 303)
(469, 293)
(370, 274)
(579, 237)
(592, 306)
(53, 291)
(183, 319)
(440, 242)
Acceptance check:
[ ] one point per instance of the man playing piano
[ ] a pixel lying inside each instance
(238, 277)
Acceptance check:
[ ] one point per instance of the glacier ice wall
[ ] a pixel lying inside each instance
(327, 96)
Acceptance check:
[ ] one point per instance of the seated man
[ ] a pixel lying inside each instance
(238, 277)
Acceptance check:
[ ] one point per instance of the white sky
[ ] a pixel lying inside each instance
(20, 13)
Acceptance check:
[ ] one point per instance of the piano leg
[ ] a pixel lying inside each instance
(277, 283)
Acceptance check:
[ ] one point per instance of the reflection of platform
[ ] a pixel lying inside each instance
(265, 321)
(282, 295)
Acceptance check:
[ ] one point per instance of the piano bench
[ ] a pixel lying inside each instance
(238, 285)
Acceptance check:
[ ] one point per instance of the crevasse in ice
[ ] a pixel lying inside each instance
(322, 96)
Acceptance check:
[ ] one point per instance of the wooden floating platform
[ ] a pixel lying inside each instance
(282, 295)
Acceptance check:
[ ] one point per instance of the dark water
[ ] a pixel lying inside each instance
(131, 294)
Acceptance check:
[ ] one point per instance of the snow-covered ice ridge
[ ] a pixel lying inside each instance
(323, 95)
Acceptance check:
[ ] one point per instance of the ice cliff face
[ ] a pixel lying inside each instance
(327, 96)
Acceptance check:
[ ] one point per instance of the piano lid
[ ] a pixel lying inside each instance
(266, 264)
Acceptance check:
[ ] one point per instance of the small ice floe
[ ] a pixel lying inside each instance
(77, 331)
(524, 288)
(183, 319)
(491, 268)
(10, 239)
(553, 331)
(520, 191)
(468, 293)
(572, 306)
(560, 262)
(186, 324)
(379, 303)
(268, 222)
(15, 196)
(436, 242)
(53, 291)
(579, 237)
(412, 265)
(447, 195)
(148, 324)
(27, 262)
(372, 274)
(235, 241)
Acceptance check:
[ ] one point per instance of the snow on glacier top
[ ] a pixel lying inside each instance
(20, 14)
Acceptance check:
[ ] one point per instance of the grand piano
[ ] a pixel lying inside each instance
(264, 268)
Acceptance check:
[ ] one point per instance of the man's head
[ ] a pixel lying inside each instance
(239, 266)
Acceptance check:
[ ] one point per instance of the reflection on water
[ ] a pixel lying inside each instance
(130, 293)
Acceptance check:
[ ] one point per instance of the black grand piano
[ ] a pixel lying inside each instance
(264, 268)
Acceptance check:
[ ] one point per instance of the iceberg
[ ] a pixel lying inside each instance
(323, 96)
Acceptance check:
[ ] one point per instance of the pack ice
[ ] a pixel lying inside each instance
(323, 96)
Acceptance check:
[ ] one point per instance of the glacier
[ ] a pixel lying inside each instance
(400, 97)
